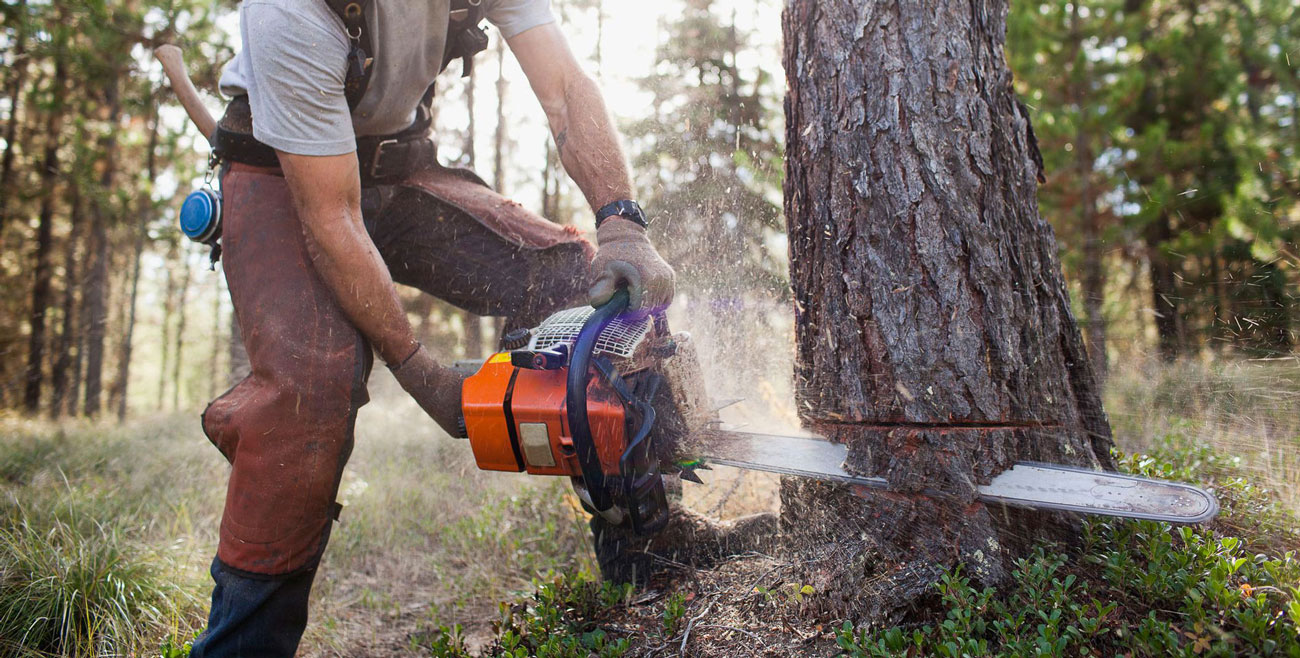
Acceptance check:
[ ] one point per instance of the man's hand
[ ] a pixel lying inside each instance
(593, 158)
(625, 255)
(434, 387)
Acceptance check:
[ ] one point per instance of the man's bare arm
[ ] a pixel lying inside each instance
(589, 149)
(575, 109)
(327, 193)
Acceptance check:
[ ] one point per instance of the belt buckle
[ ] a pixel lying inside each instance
(379, 152)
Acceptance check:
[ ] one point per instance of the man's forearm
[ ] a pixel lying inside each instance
(326, 192)
(354, 271)
(588, 144)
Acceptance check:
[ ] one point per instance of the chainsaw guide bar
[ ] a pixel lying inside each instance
(1037, 486)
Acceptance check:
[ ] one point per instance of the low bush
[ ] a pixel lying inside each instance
(1135, 588)
(560, 621)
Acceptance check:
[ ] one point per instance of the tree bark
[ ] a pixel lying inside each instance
(239, 366)
(35, 375)
(1164, 287)
(179, 349)
(934, 330)
(60, 396)
(97, 281)
(17, 78)
(499, 137)
(145, 211)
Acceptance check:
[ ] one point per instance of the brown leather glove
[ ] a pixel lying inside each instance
(624, 254)
(434, 387)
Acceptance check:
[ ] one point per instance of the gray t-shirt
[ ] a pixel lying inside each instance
(293, 63)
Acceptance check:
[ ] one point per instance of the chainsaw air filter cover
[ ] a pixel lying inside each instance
(622, 339)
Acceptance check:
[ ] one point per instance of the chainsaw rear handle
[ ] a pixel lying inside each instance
(575, 397)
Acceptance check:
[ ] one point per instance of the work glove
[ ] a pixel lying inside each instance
(434, 387)
(624, 255)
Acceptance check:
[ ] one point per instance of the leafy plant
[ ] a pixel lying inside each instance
(1138, 588)
(559, 622)
(674, 611)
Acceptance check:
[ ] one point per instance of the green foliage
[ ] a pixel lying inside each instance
(1168, 132)
(708, 161)
(674, 611)
(561, 621)
(1137, 588)
(174, 647)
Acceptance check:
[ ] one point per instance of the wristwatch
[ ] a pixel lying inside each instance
(626, 208)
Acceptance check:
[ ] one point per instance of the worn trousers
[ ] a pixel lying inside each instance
(287, 428)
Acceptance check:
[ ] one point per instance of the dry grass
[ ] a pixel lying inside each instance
(1249, 409)
(426, 538)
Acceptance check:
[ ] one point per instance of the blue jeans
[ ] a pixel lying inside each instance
(254, 616)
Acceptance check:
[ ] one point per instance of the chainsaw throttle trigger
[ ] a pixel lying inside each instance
(552, 359)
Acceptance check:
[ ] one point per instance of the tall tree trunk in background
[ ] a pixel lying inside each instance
(934, 331)
(473, 328)
(1094, 271)
(165, 330)
(17, 77)
(145, 210)
(178, 351)
(499, 137)
(549, 194)
(216, 337)
(97, 281)
(239, 367)
(1164, 286)
(61, 370)
(45, 234)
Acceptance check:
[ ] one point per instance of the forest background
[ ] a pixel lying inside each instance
(1169, 133)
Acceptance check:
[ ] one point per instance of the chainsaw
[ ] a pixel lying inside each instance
(618, 403)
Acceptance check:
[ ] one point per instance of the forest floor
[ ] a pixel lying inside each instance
(427, 542)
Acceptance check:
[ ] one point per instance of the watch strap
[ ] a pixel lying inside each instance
(625, 208)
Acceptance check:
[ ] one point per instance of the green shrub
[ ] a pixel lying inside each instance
(1136, 588)
(561, 621)
(73, 587)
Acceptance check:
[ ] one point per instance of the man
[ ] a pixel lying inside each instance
(331, 193)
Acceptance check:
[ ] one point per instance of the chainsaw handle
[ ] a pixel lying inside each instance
(575, 397)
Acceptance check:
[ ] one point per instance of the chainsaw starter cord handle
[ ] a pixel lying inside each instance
(575, 397)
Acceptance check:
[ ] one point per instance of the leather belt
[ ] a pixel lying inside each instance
(385, 159)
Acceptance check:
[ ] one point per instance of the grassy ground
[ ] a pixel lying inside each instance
(106, 532)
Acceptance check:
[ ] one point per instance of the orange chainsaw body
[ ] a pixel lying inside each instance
(516, 420)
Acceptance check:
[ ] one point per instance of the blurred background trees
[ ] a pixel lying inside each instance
(1169, 133)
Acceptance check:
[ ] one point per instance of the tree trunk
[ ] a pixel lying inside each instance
(97, 281)
(60, 371)
(45, 237)
(499, 138)
(216, 338)
(934, 330)
(145, 211)
(1094, 270)
(178, 350)
(165, 330)
(1164, 287)
(17, 77)
(239, 367)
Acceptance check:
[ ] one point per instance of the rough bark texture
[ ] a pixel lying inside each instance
(145, 205)
(934, 331)
(97, 278)
(45, 239)
(62, 400)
